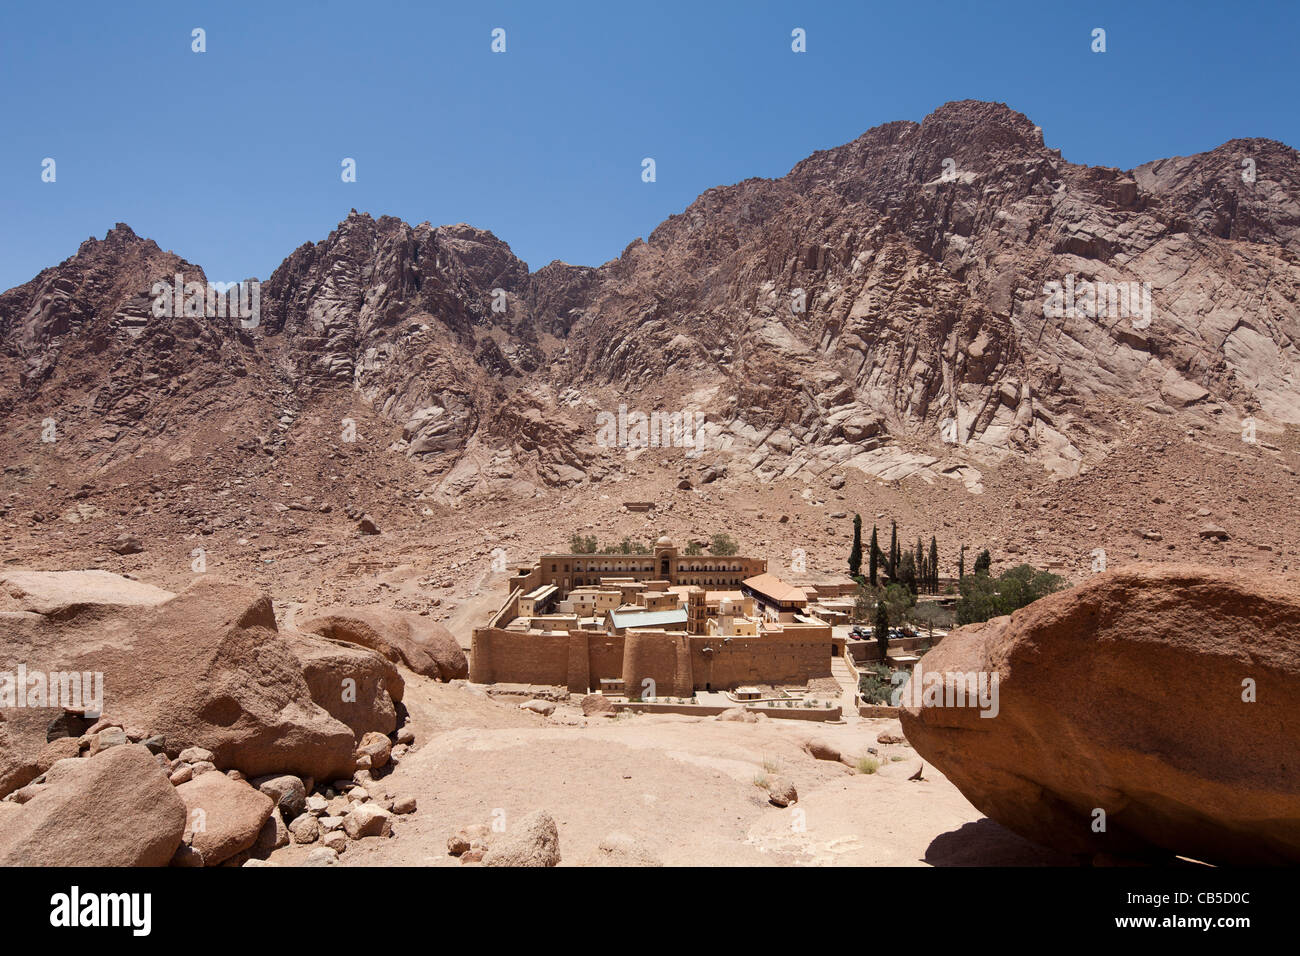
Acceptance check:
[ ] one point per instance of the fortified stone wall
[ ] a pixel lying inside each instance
(759, 660)
(604, 658)
(507, 657)
(661, 657)
(677, 663)
(508, 611)
(529, 579)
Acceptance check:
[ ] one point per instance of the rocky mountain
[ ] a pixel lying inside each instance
(887, 306)
(923, 252)
(85, 361)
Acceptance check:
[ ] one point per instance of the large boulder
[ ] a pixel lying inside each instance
(224, 816)
(113, 809)
(23, 732)
(204, 668)
(67, 593)
(1163, 696)
(354, 684)
(532, 840)
(29, 599)
(424, 646)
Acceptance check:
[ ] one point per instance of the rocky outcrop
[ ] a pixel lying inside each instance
(114, 809)
(424, 646)
(206, 668)
(66, 594)
(1154, 702)
(197, 683)
(353, 684)
(91, 319)
(23, 732)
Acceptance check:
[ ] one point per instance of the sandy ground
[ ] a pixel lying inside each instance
(685, 787)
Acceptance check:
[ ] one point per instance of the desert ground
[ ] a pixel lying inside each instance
(683, 788)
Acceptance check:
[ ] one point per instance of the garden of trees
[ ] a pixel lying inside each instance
(897, 577)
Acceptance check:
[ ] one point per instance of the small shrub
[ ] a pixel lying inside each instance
(868, 765)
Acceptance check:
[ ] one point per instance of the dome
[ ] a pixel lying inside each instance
(664, 542)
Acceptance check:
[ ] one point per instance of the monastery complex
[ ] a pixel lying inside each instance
(661, 624)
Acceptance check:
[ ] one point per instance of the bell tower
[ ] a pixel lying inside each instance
(666, 559)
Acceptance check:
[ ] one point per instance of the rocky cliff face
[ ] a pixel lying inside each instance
(84, 360)
(922, 253)
(881, 307)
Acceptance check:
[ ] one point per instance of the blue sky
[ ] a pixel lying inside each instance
(231, 158)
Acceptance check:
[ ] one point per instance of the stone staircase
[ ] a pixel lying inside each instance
(848, 680)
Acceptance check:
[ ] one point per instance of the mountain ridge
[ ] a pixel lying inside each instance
(918, 249)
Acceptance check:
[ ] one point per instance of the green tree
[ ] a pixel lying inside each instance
(626, 546)
(855, 556)
(961, 563)
(978, 600)
(875, 556)
(1023, 585)
(580, 545)
(866, 598)
(934, 565)
(893, 549)
(907, 572)
(693, 547)
(983, 562)
(898, 600)
(983, 597)
(931, 615)
(881, 630)
(723, 545)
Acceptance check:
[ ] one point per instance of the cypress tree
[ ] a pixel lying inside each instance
(881, 630)
(934, 565)
(855, 556)
(983, 562)
(893, 549)
(907, 572)
(875, 556)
